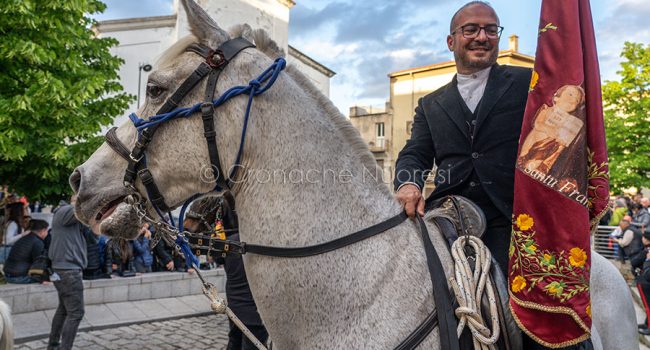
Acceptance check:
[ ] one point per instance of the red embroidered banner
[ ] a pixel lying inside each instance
(561, 180)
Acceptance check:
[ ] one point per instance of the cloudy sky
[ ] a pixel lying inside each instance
(364, 40)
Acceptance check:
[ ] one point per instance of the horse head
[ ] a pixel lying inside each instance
(176, 156)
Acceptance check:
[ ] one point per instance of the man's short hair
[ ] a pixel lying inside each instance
(471, 3)
(36, 225)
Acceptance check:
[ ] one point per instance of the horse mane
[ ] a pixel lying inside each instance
(266, 45)
(168, 56)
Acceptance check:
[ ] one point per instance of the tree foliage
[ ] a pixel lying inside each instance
(58, 87)
(627, 119)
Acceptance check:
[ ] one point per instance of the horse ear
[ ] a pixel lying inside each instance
(247, 32)
(202, 26)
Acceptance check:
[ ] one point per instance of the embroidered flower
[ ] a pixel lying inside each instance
(525, 222)
(533, 80)
(518, 284)
(532, 248)
(588, 310)
(555, 289)
(548, 260)
(577, 257)
(511, 250)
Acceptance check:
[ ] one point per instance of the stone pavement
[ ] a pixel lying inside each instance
(196, 333)
(35, 325)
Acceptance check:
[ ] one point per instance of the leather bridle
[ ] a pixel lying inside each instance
(214, 64)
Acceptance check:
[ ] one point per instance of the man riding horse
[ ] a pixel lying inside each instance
(470, 128)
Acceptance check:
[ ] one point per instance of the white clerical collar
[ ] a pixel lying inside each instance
(472, 86)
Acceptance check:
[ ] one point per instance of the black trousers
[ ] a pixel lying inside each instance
(68, 315)
(238, 341)
(497, 239)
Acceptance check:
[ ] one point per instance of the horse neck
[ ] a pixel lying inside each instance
(321, 183)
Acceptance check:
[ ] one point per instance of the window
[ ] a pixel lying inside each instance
(379, 127)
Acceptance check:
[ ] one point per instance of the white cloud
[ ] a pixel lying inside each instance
(404, 54)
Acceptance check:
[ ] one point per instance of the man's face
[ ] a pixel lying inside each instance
(42, 233)
(473, 55)
(624, 224)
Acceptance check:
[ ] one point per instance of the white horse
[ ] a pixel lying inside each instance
(309, 180)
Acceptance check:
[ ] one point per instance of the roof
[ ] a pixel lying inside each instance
(117, 25)
(310, 62)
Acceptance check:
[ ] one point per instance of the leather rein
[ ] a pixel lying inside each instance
(215, 62)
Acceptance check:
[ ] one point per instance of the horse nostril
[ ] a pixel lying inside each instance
(75, 180)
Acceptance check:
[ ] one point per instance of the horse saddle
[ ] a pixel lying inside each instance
(457, 216)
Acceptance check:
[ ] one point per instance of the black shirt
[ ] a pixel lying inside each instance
(23, 254)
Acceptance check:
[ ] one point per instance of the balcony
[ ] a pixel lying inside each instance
(378, 145)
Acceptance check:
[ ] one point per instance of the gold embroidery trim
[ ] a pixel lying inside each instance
(551, 309)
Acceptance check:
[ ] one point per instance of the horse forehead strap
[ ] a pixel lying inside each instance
(221, 56)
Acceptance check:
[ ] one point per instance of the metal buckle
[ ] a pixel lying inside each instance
(207, 109)
(216, 59)
(226, 248)
(136, 160)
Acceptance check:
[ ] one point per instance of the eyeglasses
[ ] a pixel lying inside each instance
(471, 31)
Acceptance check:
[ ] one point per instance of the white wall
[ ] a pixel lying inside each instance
(320, 80)
(136, 47)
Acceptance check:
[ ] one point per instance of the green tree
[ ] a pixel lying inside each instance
(627, 119)
(58, 87)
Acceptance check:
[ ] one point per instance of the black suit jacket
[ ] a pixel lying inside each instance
(486, 150)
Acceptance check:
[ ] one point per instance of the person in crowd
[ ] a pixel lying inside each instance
(13, 228)
(641, 263)
(141, 250)
(628, 239)
(203, 215)
(163, 260)
(620, 210)
(25, 222)
(641, 218)
(27, 251)
(119, 257)
(68, 253)
(95, 269)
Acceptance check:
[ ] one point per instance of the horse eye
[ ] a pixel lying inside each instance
(154, 91)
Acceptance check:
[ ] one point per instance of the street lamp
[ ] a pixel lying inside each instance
(142, 67)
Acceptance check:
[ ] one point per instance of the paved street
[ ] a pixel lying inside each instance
(205, 332)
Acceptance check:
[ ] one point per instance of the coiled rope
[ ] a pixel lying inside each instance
(469, 286)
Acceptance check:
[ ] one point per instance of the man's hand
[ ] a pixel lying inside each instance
(647, 256)
(410, 197)
(170, 265)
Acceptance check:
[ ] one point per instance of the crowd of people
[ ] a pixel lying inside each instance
(631, 240)
(26, 242)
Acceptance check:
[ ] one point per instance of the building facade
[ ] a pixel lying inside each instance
(406, 88)
(142, 40)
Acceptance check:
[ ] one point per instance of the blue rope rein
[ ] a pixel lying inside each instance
(254, 88)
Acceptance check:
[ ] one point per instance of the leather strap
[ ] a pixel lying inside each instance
(300, 252)
(207, 114)
(116, 144)
(441, 295)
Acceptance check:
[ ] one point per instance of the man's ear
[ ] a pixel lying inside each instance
(450, 42)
